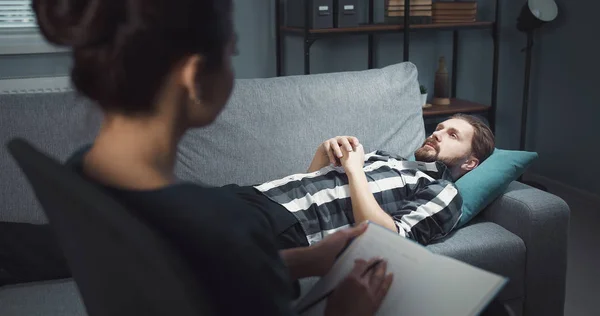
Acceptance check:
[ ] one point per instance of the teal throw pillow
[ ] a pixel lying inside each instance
(488, 181)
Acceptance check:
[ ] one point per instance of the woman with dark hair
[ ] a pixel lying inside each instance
(157, 68)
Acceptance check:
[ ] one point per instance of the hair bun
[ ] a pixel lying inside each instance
(78, 23)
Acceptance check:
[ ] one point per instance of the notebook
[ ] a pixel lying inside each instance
(424, 283)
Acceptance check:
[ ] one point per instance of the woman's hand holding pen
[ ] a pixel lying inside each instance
(362, 291)
(325, 252)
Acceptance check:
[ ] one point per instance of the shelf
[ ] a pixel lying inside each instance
(388, 28)
(456, 106)
(310, 36)
(454, 26)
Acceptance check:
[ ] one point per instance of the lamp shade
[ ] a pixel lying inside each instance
(544, 10)
(535, 13)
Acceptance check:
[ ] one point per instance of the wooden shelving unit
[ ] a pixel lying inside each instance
(371, 30)
(383, 28)
(456, 106)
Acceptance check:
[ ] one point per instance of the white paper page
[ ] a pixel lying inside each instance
(421, 287)
(455, 288)
(405, 259)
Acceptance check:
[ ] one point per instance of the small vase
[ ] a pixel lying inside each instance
(441, 93)
(424, 99)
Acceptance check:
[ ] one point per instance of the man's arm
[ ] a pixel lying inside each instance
(432, 212)
(319, 161)
(364, 205)
(330, 151)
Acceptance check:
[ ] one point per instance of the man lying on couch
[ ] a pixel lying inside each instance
(417, 199)
(343, 186)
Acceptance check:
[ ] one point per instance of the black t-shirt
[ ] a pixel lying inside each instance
(227, 242)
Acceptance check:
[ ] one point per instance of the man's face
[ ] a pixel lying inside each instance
(450, 144)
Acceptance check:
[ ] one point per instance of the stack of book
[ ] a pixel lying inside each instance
(454, 12)
(421, 11)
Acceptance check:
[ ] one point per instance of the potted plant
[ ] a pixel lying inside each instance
(423, 94)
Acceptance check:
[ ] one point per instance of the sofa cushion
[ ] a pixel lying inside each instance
(490, 247)
(488, 181)
(57, 123)
(272, 127)
(56, 298)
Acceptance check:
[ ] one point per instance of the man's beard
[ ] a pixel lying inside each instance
(428, 154)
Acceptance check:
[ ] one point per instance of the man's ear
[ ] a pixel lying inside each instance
(470, 164)
(189, 71)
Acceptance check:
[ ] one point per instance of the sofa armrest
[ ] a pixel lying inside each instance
(541, 220)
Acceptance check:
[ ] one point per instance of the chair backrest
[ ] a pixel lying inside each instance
(120, 264)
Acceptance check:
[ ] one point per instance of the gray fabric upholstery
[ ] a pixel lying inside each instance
(271, 127)
(490, 247)
(55, 298)
(541, 220)
(56, 122)
(485, 245)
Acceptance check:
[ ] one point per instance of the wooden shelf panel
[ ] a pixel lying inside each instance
(466, 25)
(456, 106)
(359, 29)
(383, 28)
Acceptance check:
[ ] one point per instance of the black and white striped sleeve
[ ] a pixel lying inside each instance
(380, 155)
(431, 213)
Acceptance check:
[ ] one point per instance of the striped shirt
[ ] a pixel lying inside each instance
(420, 197)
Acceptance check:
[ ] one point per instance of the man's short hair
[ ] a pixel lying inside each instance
(483, 142)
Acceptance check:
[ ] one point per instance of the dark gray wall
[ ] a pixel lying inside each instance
(561, 109)
(255, 26)
(565, 110)
(256, 38)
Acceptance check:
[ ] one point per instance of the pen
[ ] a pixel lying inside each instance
(369, 268)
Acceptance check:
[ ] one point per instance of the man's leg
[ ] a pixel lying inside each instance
(287, 230)
(291, 238)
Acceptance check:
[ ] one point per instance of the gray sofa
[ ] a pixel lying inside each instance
(270, 129)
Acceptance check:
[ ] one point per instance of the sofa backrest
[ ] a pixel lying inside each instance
(57, 123)
(272, 127)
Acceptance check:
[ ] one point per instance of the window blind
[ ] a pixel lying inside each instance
(16, 14)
